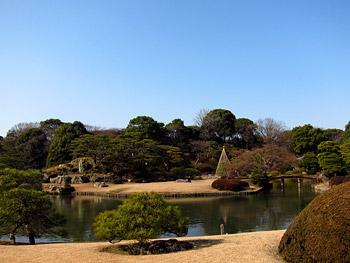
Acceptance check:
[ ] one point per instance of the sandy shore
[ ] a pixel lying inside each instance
(246, 247)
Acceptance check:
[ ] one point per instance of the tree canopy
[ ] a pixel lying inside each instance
(63, 136)
(24, 208)
(150, 128)
(141, 217)
(330, 159)
(218, 125)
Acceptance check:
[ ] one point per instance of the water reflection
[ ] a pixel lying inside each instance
(271, 210)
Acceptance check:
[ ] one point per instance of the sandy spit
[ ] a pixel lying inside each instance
(245, 247)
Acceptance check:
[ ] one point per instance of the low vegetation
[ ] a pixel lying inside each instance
(320, 233)
(141, 217)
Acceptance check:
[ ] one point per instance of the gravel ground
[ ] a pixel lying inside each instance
(247, 247)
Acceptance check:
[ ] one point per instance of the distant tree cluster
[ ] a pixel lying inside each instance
(149, 149)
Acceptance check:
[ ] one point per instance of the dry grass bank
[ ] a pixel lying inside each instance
(246, 247)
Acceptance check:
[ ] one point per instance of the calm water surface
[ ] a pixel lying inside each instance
(271, 210)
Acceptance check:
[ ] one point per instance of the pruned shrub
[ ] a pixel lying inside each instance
(235, 185)
(321, 232)
(219, 184)
(335, 180)
(229, 184)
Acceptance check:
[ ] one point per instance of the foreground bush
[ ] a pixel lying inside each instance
(141, 217)
(321, 232)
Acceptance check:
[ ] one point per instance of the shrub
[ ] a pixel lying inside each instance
(141, 217)
(219, 184)
(320, 233)
(229, 184)
(192, 173)
(335, 180)
(260, 179)
(235, 185)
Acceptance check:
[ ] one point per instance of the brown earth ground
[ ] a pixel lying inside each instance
(246, 247)
(173, 187)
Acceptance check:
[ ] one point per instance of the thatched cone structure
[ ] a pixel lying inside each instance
(221, 169)
(321, 232)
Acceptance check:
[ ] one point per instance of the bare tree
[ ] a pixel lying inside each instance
(270, 129)
(20, 128)
(198, 120)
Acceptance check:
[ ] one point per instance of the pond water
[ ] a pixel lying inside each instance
(271, 210)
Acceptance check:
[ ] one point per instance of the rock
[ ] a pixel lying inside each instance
(183, 180)
(162, 246)
(53, 180)
(63, 179)
(77, 180)
(100, 184)
(81, 166)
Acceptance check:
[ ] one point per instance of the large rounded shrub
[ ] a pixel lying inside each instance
(219, 184)
(236, 185)
(321, 232)
(229, 184)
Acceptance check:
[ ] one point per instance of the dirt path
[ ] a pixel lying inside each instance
(247, 247)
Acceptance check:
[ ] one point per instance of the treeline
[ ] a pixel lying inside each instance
(149, 149)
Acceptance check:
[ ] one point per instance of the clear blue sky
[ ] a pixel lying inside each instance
(106, 62)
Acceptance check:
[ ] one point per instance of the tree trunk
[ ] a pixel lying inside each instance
(30, 234)
(12, 238)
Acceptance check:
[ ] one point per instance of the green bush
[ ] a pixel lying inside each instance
(274, 173)
(141, 217)
(260, 179)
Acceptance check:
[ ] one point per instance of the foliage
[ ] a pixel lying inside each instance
(218, 125)
(149, 128)
(13, 178)
(346, 135)
(31, 149)
(345, 151)
(330, 159)
(184, 173)
(49, 126)
(132, 156)
(141, 217)
(223, 164)
(334, 135)
(262, 161)
(90, 145)
(310, 162)
(259, 179)
(59, 151)
(246, 134)
(269, 129)
(178, 134)
(229, 184)
(335, 180)
(24, 208)
(306, 138)
(320, 233)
